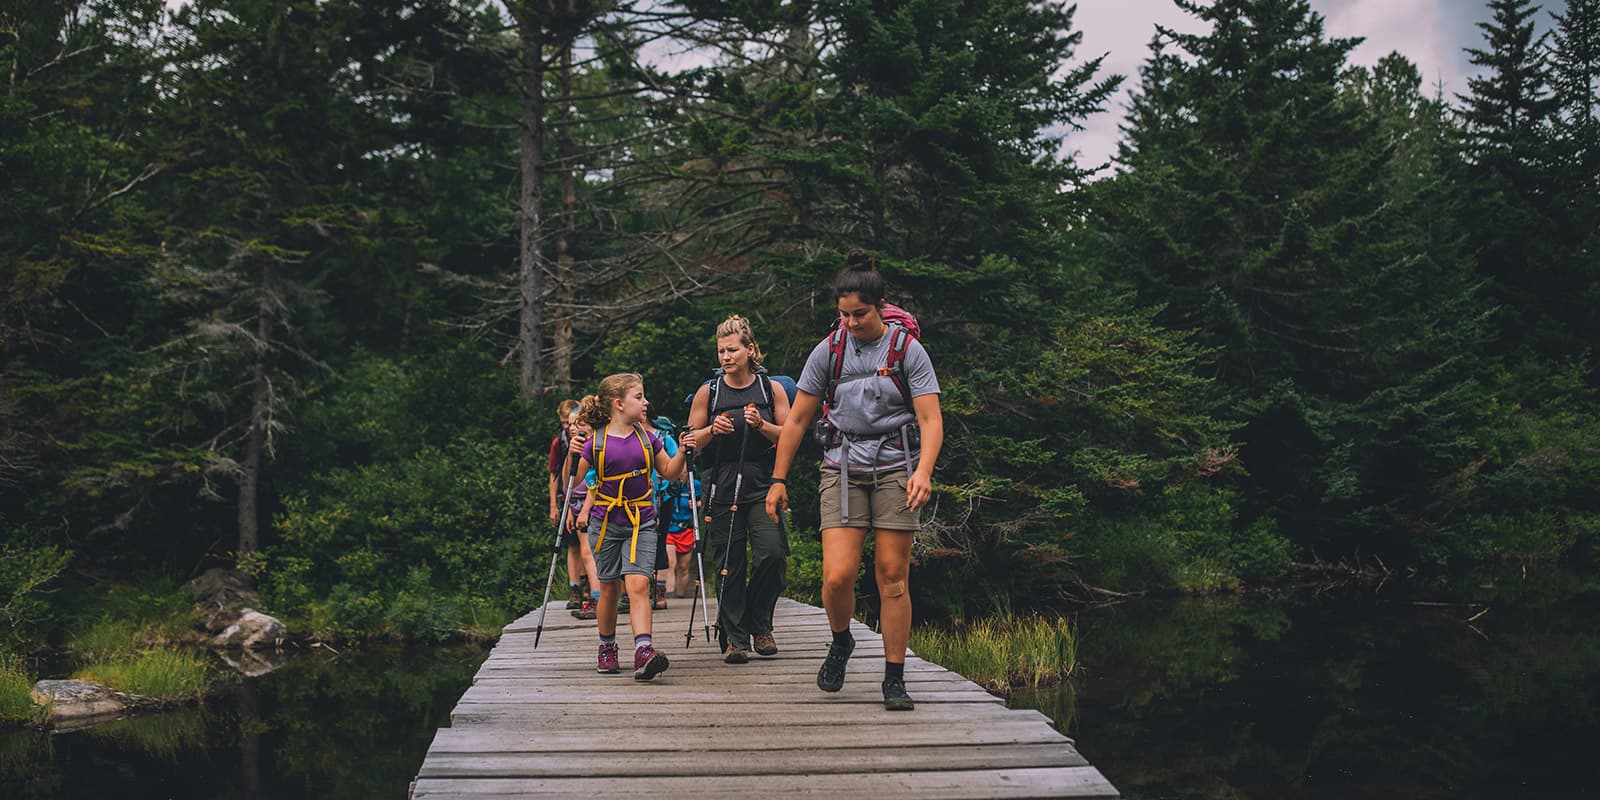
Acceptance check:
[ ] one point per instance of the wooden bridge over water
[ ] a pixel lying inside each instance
(542, 723)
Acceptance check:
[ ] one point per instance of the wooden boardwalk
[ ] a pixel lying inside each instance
(542, 723)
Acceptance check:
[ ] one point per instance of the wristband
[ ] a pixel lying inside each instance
(777, 480)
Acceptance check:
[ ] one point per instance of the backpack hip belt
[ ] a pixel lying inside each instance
(907, 433)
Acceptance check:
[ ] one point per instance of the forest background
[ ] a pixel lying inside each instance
(295, 286)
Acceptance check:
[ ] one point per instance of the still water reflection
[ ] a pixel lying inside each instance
(1483, 687)
(323, 726)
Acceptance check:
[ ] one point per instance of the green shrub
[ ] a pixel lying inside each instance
(26, 570)
(805, 567)
(375, 549)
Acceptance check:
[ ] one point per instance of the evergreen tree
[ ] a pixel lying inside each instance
(1269, 208)
(1575, 75)
(1507, 115)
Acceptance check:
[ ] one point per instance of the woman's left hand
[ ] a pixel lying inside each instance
(752, 417)
(919, 490)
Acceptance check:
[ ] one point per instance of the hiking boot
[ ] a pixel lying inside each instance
(735, 655)
(607, 663)
(586, 610)
(576, 600)
(647, 663)
(831, 677)
(894, 695)
(659, 598)
(765, 644)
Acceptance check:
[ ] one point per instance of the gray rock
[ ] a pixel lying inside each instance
(253, 629)
(76, 700)
(221, 594)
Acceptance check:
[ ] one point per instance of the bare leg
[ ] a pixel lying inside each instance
(893, 568)
(606, 612)
(639, 587)
(575, 563)
(587, 554)
(841, 560)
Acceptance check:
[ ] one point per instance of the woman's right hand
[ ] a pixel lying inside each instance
(777, 501)
(722, 424)
(575, 442)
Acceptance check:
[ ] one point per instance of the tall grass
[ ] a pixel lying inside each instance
(1004, 653)
(161, 675)
(16, 691)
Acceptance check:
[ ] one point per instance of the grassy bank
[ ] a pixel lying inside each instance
(16, 692)
(1004, 653)
(159, 676)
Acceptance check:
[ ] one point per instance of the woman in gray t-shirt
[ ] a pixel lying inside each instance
(883, 431)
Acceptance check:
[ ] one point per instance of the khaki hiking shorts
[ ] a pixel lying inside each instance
(877, 501)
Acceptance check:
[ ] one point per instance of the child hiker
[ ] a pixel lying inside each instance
(576, 517)
(577, 577)
(622, 525)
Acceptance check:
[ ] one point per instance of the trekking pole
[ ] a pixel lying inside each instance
(699, 593)
(733, 509)
(561, 525)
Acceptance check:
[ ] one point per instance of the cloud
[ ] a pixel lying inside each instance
(1430, 33)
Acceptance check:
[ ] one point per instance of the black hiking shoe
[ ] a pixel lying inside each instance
(894, 695)
(831, 677)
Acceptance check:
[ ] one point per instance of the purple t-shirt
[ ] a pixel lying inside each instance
(623, 455)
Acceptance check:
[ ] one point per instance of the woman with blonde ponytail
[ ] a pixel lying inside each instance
(735, 419)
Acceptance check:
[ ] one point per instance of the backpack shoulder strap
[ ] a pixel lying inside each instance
(649, 452)
(766, 388)
(836, 339)
(894, 361)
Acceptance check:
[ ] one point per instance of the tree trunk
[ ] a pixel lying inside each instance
(531, 275)
(256, 434)
(567, 237)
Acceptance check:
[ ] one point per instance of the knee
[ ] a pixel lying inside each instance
(893, 581)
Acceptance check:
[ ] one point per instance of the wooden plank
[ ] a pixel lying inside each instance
(1007, 784)
(603, 763)
(740, 737)
(671, 716)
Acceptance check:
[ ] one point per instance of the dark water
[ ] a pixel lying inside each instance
(1389, 693)
(354, 725)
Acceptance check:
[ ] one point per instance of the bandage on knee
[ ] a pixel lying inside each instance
(895, 589)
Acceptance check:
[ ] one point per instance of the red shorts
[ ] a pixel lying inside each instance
(683, 540)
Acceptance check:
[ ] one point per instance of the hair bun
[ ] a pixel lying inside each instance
(858, 258)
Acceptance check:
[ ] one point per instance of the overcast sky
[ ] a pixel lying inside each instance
(1433, 34)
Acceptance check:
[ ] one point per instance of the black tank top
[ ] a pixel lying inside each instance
(759, 454)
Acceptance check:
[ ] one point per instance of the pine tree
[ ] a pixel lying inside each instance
(1575, 75)
(1507, 115)
(1267, 206)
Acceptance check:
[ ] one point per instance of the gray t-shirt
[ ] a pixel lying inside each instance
(868, 408)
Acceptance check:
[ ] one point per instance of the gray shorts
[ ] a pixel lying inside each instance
(612, 556)
(877, 501)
